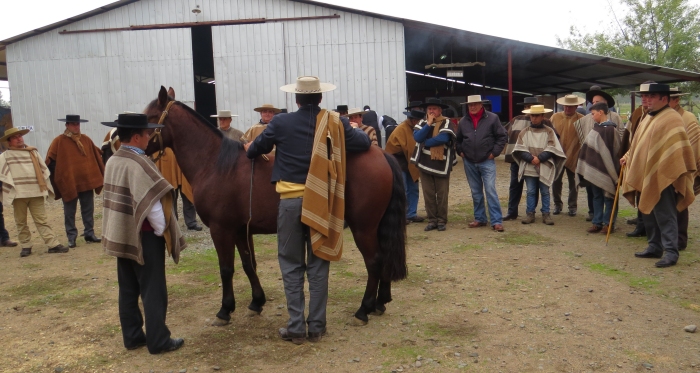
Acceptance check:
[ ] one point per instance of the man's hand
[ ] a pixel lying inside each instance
(491, 156)
(354, 125)
(535, 161)
(623, 161)
(246, 146)
(431, 118)
(461, 154)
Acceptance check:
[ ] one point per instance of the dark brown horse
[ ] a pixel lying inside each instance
(220, 174)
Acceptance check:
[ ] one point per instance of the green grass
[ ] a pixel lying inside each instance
(59, 291)
(404, 353)
(44, 287)
(204, 265)
(521, 238)
(460, 213)
(353, 294)
(626, 213)
(624, 277)
(189, 290)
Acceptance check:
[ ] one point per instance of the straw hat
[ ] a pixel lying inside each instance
(537, 109)
(13, 132)
(307, 85)
(267, 107)
(132, 121)
(474, 99)
(73, 118)
(355, 111)
(678, 92)
(571, 100)
(223, 114)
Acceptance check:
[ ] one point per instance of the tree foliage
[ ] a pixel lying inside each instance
(658, 32)
(3, 103)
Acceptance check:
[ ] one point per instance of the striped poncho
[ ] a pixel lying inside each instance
(513, 129)
(535, 140)
(693, 130)
(19, 174)
(599, 159)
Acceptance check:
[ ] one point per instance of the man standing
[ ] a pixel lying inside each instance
(513, 128)
(224, 119)
(298, 156)
(25, 186)
(267, 111)
(434, 157)
(563, 122)
(481, 138)
(401, 144)
(77, 172)
(660, 167)
(138, 225)
(168, 167)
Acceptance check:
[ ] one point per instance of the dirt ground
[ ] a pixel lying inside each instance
(533, 299)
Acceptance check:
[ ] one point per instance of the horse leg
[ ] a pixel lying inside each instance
(246, 249)
(383, 297)
(368, 246)
(224, 243)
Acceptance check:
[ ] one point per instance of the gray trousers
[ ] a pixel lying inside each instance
(187, 209)
(436, 191)
(87, 210)
(557, 188)
(296, 258)
(662, 225)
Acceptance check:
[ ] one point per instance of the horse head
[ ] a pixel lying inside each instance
(154, 111)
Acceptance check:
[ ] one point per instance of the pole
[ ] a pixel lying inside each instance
(612, 213)
(510, 85)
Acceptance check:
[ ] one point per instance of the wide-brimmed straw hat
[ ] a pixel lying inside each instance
(415, 114)
(537, 109)
(223, 114)
(677, 92)
(307, 85)
(433, 102)
(267, 107)
(596, 91)
(13, 132)
(571, 100)
(531, 101)
(132, 121)
(73, 118)
(355, 111)
(473, 99)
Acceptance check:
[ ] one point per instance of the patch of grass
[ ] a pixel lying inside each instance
(44, 286)
(460, 212)
(453, 329)
(352, 294)
(111, 329)
(622, 276)
(464, 247)
(204, 265)
(521, 238)
(345, 274)
(404, 353)
(68, 298)
(31, 266)
(265, 244)
(188, 290)
(690, 305)
(626, 213)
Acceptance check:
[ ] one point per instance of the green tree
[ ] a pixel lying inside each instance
(658, 32)
(4, 103)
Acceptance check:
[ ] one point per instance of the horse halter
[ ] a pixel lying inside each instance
(156, 135)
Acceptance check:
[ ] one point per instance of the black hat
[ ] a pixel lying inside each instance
(413, 104)
(282, 111)
(341, 108)
(531, 101)
(415, 114)
(433, 102)
(366, 107)
(72, 118)
(132, 121)
(596, 91)
(655, 88)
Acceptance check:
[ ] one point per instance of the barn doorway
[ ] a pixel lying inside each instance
(203, 65)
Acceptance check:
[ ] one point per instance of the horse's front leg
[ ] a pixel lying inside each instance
(246, 249)
(224, 244)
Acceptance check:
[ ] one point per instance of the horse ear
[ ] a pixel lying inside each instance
(171, 92)
(162, 97)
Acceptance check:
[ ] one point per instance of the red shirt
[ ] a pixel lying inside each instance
(477, 117)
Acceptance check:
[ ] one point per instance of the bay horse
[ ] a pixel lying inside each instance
(227, 197)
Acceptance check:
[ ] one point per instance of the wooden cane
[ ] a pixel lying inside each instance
(612, 213)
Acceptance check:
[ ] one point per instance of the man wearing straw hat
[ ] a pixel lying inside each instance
(660, 167)
(138, 226)
(299, 171)
(25, 186)
(540, 159)
(267, 111)
(224, 119)
(77, 173)
(481, 138)
(693, 130)
(563, 122)
(355, 117)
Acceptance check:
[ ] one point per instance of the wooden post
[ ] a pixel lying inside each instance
(510, 85)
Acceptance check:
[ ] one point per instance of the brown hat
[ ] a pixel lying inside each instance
(14, 131)
(267, 107)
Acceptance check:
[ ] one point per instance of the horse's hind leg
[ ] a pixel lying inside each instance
(368, 248)
(246, 249)
(383, 297)
(224, 243)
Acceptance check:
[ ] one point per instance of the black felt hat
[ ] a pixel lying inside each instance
(433, 102)
(415, 114)
(596, 91)
(531, 101)
(342, 108)
(73, 118)
(132, 121)
(655, 88)
(413, 104)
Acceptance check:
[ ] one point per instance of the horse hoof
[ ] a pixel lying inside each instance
(252, 313)
(220, 322)
(377, 312)
(356, 322)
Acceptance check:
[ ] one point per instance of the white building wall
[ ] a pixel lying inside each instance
(99, 75)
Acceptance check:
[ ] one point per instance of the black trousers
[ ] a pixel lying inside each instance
(147, 281)
(87, 210)
(4, 234)
(187, 208)
(683, 220)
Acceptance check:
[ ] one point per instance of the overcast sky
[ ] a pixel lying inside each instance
(537, 22)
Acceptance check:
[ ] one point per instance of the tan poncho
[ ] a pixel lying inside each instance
(584, 125)
(323, 206)
(371, 133)
(637, 116)
(77, 169)
(660, 155)
(513, 129)
(535, 141)
(693, 130)
(18, 174)
(132, 187)
(401, 141)
(567, 137)
(168, 167)
(253, 132)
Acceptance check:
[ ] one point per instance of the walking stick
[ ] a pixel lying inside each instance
(612, 213)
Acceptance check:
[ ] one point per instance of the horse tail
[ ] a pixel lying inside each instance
(392, 228)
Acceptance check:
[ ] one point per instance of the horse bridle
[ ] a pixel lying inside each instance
(156, 135)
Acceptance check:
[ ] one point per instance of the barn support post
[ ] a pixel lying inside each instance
(510, 85)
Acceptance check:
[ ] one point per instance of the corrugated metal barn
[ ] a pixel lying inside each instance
(235, 54)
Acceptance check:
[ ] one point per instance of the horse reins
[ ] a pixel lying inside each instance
(157, 135)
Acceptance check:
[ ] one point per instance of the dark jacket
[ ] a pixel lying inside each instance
(489, 137)
(293, 135)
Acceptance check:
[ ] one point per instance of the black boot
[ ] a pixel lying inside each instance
(649, 253)
(637, 232)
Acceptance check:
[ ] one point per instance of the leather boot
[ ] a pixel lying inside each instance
(637, 233)
(529, 218)
(547, 219)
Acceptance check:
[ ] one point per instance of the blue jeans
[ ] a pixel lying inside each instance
(602, 207)
(411, 195)
(482, 177)
(533, 187)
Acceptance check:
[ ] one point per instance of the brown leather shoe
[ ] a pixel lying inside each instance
(604, 230)
(316, 337)
(594, 229)
(498, 227)
(58, 249)
(8, 243)
(476, 224)
(297, 339)
(25, 252)
(416, 219)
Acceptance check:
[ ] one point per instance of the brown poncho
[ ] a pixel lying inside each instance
(637, 116)
(660, 155)
(599, 159)
(585, 125)
(253, 132)
(401, 144)
(371, 133)
(168, 167)
(77, 170)
(567, 137)
(535, 141)
(693, 130)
